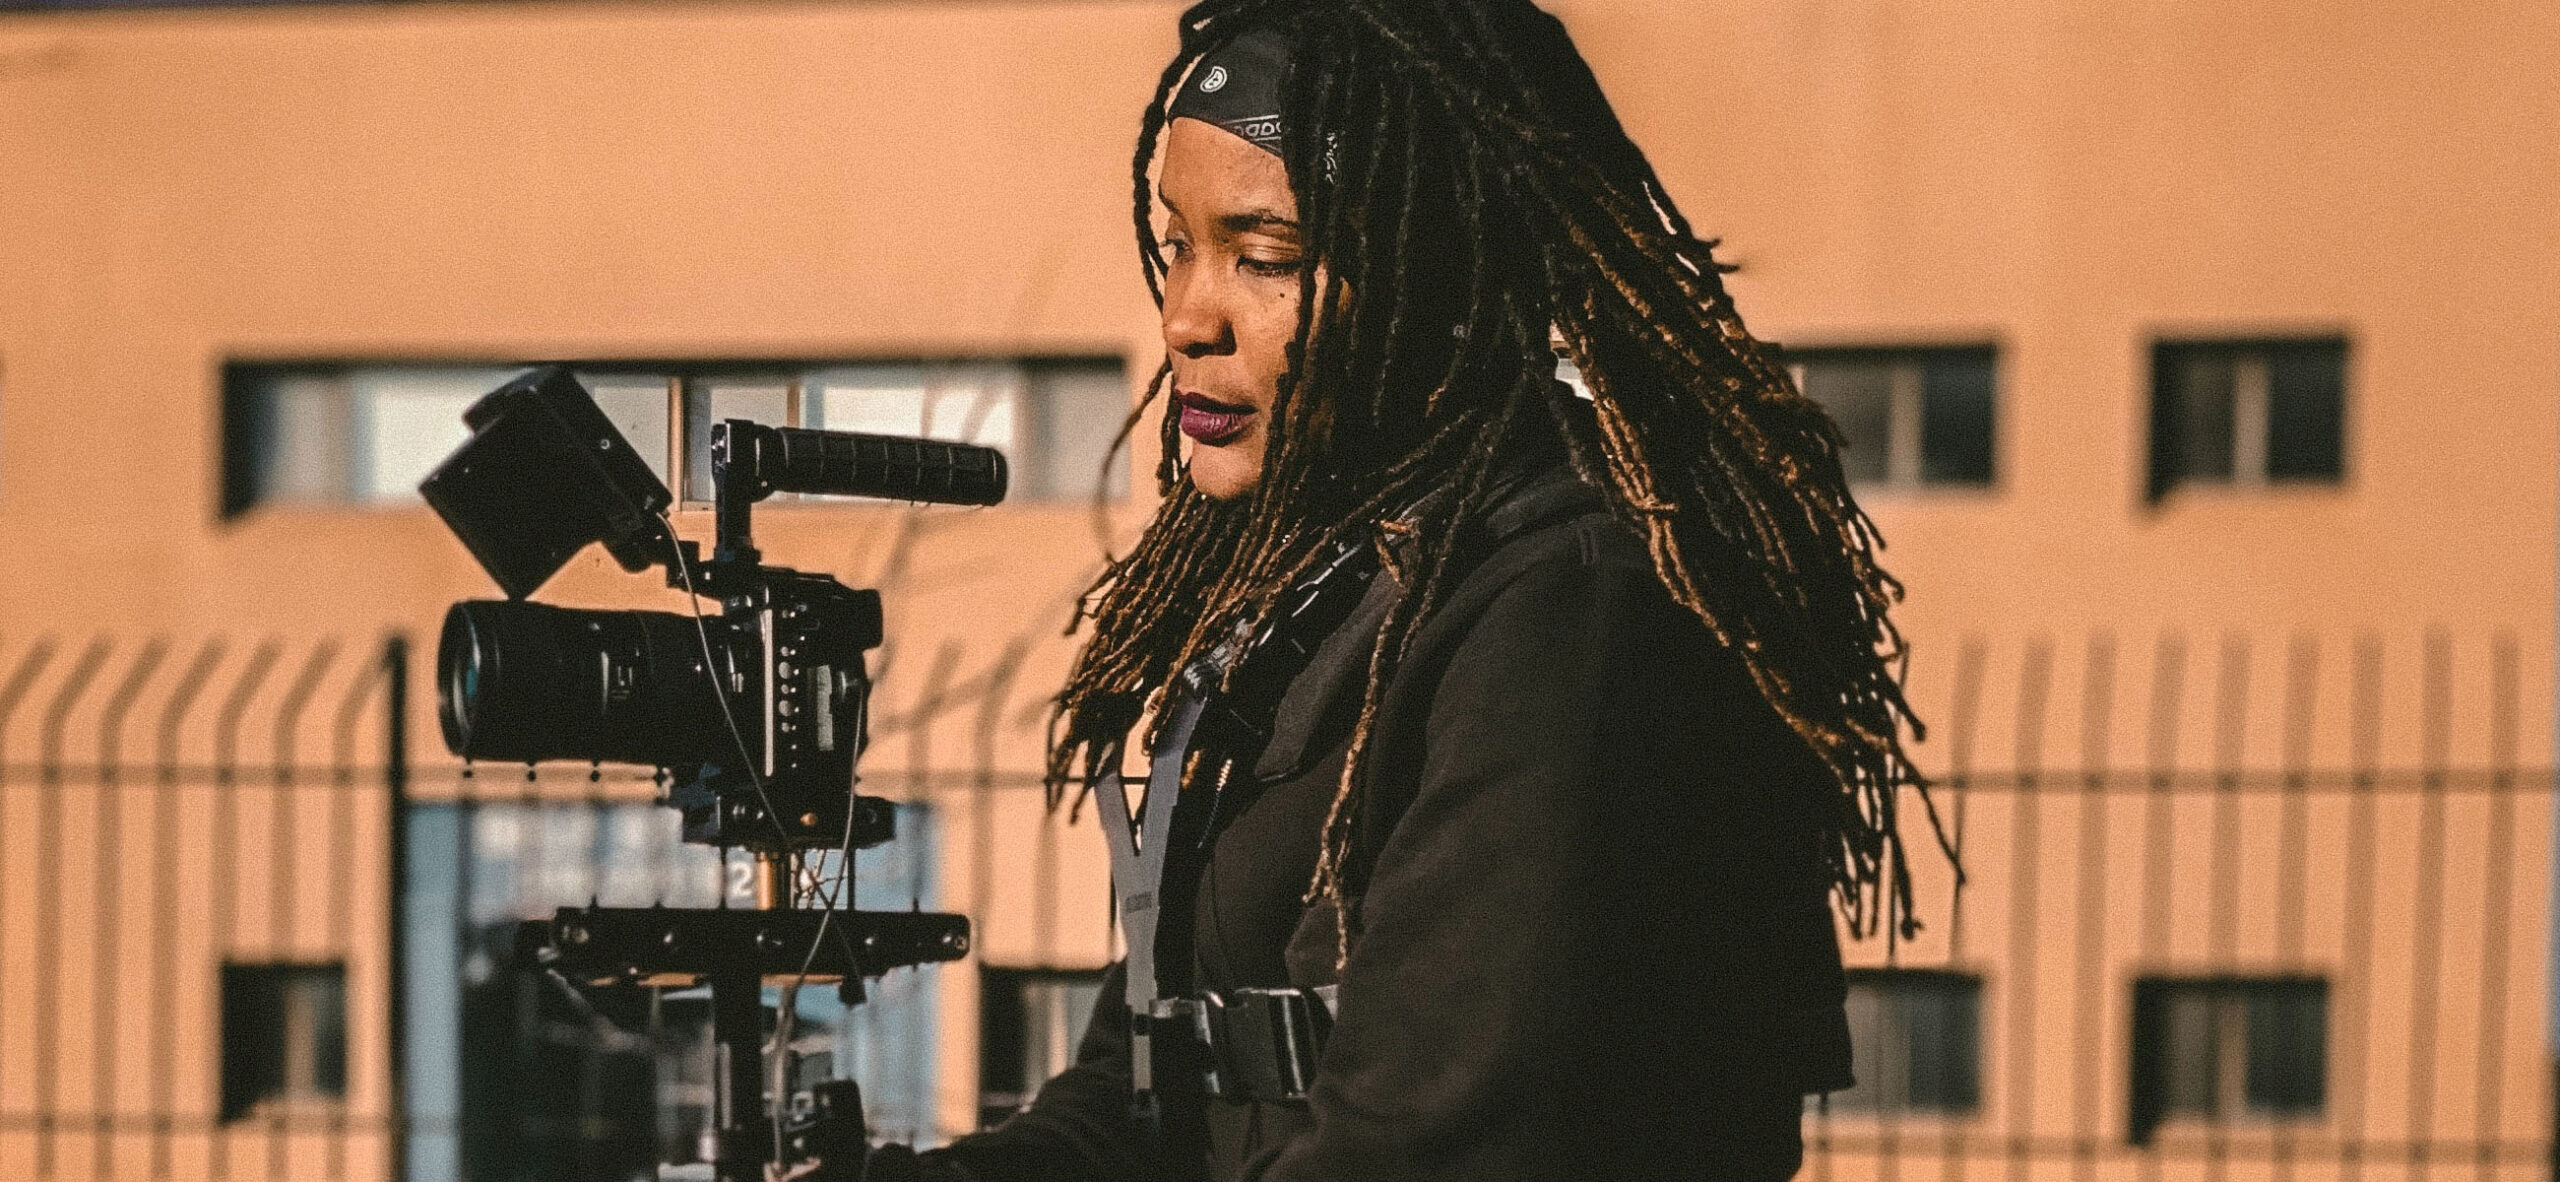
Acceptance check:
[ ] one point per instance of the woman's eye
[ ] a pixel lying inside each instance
(1267, 267)
(1173, 248)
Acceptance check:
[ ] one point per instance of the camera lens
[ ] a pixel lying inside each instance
(527, 681)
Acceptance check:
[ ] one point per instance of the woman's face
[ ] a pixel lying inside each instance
(1231, 294)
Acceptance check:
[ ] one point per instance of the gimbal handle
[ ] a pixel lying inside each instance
(751, 461)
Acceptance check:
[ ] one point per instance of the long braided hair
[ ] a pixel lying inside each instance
(1469, 204)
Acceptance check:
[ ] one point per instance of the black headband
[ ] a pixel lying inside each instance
(1237, 88)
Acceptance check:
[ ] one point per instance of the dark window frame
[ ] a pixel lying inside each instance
(2257, 452)
(2300, 1093)
(247, 415)
(260, 1028)
(1914, 417)
(1953, 1087)
(1004, 1029)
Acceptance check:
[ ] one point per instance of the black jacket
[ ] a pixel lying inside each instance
(1593, 935)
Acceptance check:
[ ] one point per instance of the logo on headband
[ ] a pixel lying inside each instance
(1216, 81)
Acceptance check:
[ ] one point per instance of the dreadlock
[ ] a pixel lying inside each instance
(1457, 167)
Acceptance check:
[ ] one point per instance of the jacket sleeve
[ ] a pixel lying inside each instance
(1077, 1128)
(1502, 928)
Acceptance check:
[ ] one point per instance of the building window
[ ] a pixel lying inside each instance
(2247, 413)
(1915, 1041)
(284, 1037)
(1029, 1022)
(367, 434)
(2228, 1049)
(510, 1075)
(1910, 417)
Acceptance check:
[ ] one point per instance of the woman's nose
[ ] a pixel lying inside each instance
(1194, 324)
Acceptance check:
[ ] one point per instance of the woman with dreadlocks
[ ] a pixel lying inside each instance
(1510, 741)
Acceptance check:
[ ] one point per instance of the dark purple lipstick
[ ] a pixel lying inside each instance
(1211, 422)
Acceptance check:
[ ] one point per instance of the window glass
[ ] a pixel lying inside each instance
(1029, 1022)
(710, 400)
(284, 1038)
(524, 1080)
(2201, 409)
(637, 406)
(1858, 394)
(1076, 410)
(1055, 420)
(303, 454)
(1956, 417)
(367, 434)
(1915, 1037)
(2221, 1049)
(332, 435)
(2288, 1061)
(2247, 412)
(869, 399)
(978, 404)
(2306, 411)
(406, 423)
(1908, 417)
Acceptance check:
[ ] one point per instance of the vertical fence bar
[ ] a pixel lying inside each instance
(48, 897)
(222, 879)
(21, 679)
(339, 935)
(2230, 730)
(2489, 1092)
(2356, 939)
(2159, 825)
(2426, 911)
(2035, 678)
(164, 895)
(282, 904)
(2222, 942)
(2097, 734)
(982, 796)
(2436, 1142)
(2293, 870)
(102, 954)
(2293, 856)
(532, 860)
(2168, 694)
(1964, 714)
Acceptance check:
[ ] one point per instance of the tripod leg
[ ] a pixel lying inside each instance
(737, 1030)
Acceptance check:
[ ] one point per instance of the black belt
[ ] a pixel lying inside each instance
(1250, 1044)
(1262, 1043)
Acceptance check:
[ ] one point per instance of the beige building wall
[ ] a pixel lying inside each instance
(2067, 181)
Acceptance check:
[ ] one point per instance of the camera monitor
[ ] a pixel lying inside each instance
(544, 474)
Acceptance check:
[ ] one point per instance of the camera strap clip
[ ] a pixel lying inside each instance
(1139, 842)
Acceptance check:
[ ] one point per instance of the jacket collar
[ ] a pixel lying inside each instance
(1327, 692)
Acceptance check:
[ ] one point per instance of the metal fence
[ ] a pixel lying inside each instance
(190, 833)
(2411, 897)
(158, 830)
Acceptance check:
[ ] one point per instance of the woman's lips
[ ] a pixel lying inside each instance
(1212, 423)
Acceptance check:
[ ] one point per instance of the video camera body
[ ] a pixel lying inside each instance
(758, 715)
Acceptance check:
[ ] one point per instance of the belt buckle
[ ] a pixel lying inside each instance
(1184, 1024)
(1264, 1042)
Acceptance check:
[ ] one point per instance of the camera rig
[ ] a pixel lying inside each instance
(757, 716)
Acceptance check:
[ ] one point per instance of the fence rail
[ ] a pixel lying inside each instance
(2231, 811)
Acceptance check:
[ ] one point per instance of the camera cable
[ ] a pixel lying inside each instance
(746, 762)
(829, 900)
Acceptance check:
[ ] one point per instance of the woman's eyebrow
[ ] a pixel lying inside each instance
(1268, 220)
(1246, 221)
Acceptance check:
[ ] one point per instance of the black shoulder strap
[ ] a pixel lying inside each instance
(1157, 847)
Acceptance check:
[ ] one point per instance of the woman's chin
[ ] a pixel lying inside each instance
(1228, 472)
